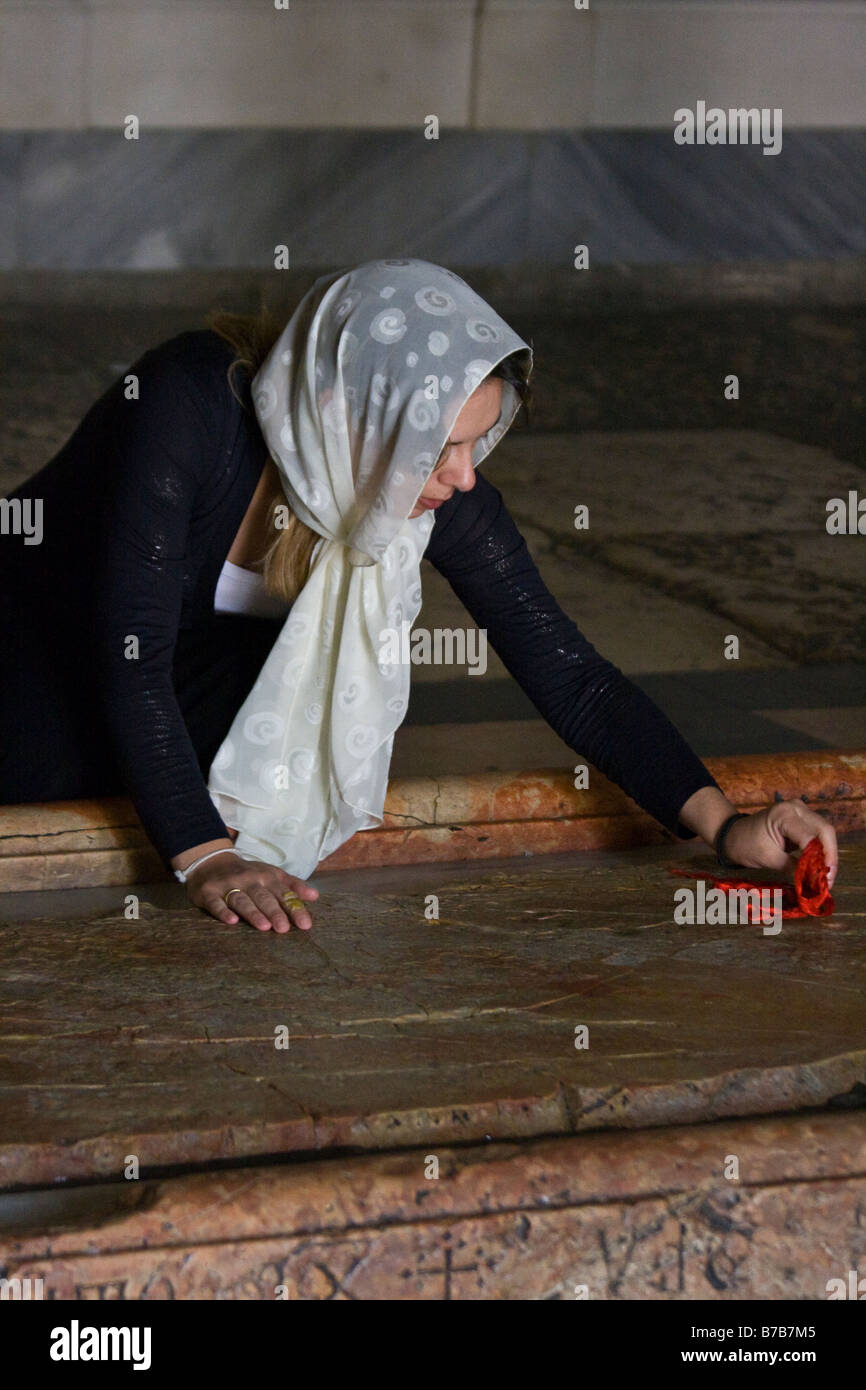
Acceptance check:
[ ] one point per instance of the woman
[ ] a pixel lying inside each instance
(226, 536)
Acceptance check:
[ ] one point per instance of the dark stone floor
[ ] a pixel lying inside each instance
(707, 513)
(721, 713)
(802, 371)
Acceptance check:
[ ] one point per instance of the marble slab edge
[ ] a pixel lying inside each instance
(564, 1109)
(77, 844)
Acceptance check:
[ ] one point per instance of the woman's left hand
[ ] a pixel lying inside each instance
(775, 838)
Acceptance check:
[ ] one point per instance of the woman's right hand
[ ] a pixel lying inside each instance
(260, 900)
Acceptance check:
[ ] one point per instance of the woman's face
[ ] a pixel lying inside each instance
(454, 467)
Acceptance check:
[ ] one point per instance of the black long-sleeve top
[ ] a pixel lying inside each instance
(141, 506)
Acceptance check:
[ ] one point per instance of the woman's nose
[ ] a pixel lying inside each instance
(458, 470)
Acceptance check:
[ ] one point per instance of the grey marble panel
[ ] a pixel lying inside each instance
(223, 198)
(11, 145)
(350, 197)
(637, 196)
(220, 198)
(579, 198)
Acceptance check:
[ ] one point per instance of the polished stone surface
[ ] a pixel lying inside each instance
(157, 1036)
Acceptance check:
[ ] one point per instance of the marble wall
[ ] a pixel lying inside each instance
(482, 64)
(83, 200)
(304, 126)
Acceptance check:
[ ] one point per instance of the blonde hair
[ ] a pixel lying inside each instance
(286, 562)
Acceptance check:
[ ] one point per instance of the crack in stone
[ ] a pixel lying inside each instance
(323, 953)
(405, 816)
(459, 1015)
(330, 964)
(73, 830)
(74, 1085)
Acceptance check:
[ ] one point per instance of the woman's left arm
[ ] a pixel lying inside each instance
(587, 700)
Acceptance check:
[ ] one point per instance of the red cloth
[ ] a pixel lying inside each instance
(808, 897)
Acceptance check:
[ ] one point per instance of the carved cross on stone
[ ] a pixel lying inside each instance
(447, 1269)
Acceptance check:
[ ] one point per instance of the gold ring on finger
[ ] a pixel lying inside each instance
(229, 893)
(292, 901)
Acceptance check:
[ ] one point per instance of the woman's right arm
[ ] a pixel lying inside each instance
(162, 448)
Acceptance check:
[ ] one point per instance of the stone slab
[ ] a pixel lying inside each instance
(156, 1037)
(768, 1209)
(630, 621)
(807, 600)
(838, 724)
(430, 819)
(638, 482)
(726, 526)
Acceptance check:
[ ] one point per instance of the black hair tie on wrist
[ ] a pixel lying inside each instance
(722, 835)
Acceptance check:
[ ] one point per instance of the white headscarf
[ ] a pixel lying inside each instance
(355, 401)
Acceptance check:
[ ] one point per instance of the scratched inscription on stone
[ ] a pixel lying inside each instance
(775, 1242)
